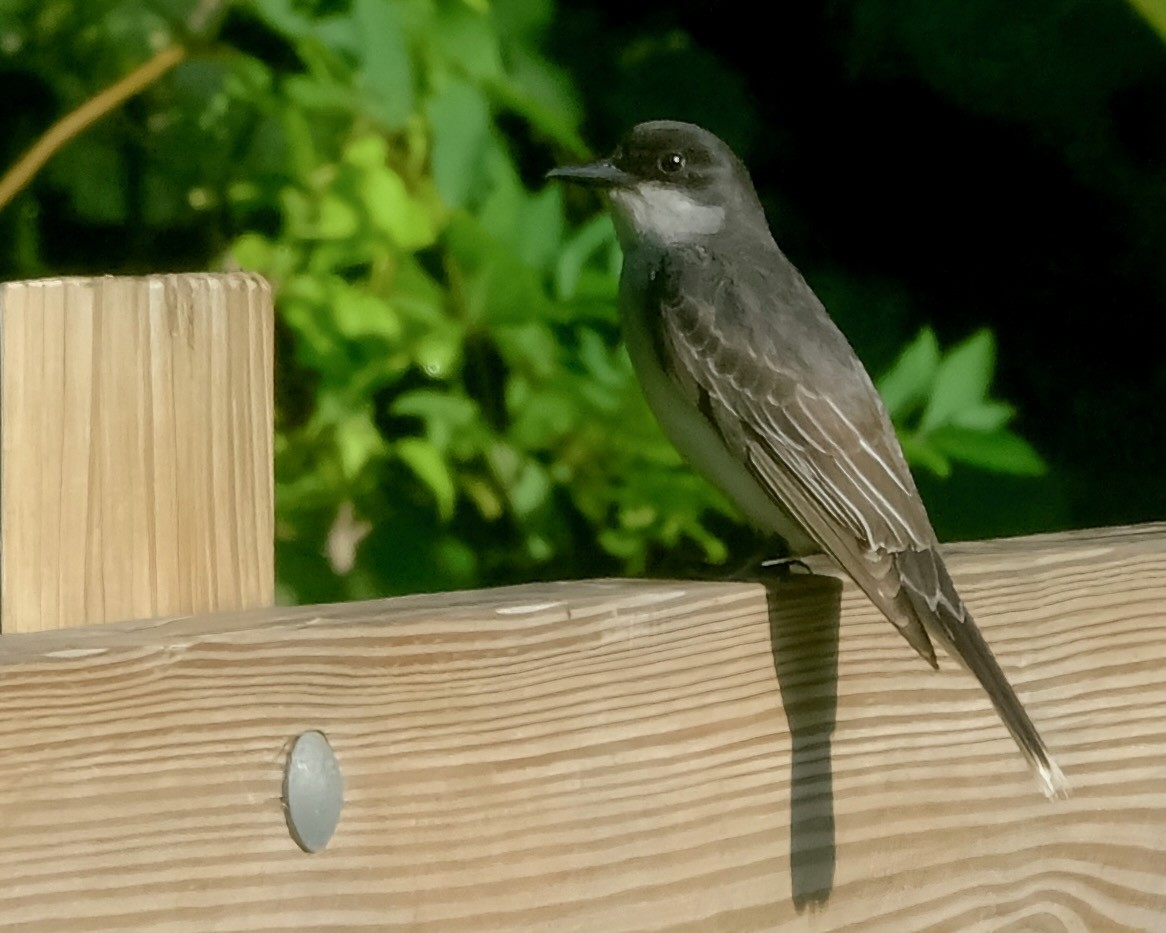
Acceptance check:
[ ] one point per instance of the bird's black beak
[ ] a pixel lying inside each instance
(602, 174)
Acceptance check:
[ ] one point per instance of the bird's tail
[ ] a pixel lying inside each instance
(933, 596)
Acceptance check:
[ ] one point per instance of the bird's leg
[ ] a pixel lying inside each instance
(784, 566)
(760, 564)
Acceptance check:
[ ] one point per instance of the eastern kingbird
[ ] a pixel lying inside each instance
(761, 392)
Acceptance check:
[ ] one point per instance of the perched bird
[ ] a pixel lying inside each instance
(761, 392)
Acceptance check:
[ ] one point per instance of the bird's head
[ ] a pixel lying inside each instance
(670, 182)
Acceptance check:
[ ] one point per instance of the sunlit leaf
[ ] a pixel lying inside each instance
(919, 451)
(530, 489)
(358, 442)
(437, 352)
(909, 380)
(1000, 451)
(430, 467)
(445, 414)
(359, 315)
(987, 416)
(409, 223)
(485, 496)
(961, 381)
(1154, 12)
(336, 219)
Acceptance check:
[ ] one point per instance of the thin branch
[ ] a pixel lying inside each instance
(75, 123)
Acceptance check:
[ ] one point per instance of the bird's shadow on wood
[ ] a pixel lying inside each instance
(804, 612)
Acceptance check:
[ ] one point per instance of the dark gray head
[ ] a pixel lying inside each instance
(672, 182)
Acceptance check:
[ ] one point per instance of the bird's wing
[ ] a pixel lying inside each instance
(813, 431)
(755, 351)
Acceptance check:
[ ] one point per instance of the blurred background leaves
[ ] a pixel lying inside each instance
(976, 193)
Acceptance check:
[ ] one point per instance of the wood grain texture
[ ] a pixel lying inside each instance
(603, 756)
(135, 448)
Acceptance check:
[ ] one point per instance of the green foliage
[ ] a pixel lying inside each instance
(473, 403)
(941, 408)
(454, 407)
(1154, 12)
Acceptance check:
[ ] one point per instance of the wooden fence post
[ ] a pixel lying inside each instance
(135, 448)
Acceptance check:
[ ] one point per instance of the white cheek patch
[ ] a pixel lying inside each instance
(665, 214)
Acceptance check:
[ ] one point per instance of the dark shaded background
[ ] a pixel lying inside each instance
(955, 164)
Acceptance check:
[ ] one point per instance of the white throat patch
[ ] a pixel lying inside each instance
(664, 214)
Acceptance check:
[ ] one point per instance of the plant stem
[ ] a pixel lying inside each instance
(76, 122)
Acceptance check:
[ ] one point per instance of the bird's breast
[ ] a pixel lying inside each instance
(684, 424)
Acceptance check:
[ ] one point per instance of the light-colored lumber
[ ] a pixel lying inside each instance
(603, 756)
(135, 448)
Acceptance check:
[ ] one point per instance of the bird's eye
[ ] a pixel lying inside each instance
(671, 163)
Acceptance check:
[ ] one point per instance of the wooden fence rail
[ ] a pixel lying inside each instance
(603, 756)
(592, 756)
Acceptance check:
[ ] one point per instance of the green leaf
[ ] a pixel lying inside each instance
(530, 489)
(302, 155)
(384, 71)
(456, 561)
(460, 119)
(336, 219)
(962, 380)
(607, 366)
(253, 251)
(589, 240)
(497, 288)
(919, 451)
(485, 497)
(358, 441)
(987, 416)
(620, 543)
(360, 315)
(445, 415)
(544, 418)
(908, 381)
(455, 410)
(438, 351)
(541, 232)
(416, 295)
(280, 15)
(466, 40)
(501, 212)
(1154, 12)
(382, 192)
(998, 451)
(530, 348)
(430, 467)
(543, 95)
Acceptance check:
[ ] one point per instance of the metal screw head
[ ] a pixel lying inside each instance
(313, 791)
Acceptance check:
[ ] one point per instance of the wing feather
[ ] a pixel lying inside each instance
(841, 476)
(789, 397)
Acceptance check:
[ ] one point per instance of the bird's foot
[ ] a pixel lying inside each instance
(758, 567)
(784, 566)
